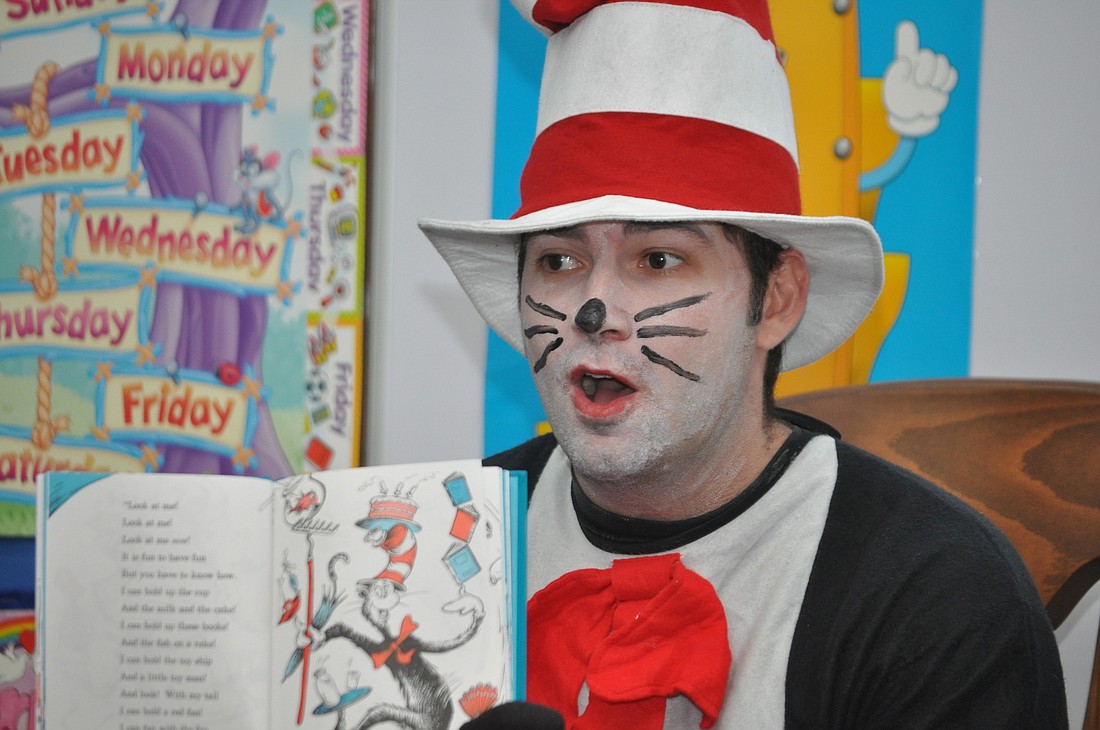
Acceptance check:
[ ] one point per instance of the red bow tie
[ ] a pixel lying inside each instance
(404, 656)
(642, 631)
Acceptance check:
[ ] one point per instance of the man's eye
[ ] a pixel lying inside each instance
(662, 260)
(559, 261)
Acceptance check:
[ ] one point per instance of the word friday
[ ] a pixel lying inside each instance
(170, 407)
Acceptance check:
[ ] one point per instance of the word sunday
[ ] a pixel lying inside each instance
(48, 12)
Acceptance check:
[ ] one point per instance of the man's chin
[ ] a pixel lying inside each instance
(603, 455)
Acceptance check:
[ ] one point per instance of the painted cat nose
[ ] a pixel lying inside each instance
(591, 316)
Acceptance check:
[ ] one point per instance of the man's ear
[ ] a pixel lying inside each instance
(785, 299)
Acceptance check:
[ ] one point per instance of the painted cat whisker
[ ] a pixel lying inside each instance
(544, 309)
(540, 329)
(669, 331)
(663, 308)
(661, 360)
(541, 363)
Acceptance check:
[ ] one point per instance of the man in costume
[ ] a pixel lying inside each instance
(697, 558)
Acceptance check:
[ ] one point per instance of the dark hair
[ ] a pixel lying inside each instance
(762, 256)
(520, 258)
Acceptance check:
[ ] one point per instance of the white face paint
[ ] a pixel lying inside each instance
(657, 380)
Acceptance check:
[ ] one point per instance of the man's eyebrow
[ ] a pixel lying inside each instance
(573, 232)
(647, 226)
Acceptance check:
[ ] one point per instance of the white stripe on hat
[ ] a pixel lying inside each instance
(667, 59)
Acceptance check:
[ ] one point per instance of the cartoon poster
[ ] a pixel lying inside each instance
(17, 678)
(181, 238)
(885, 97)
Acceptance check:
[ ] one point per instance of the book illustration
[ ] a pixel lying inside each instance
(319, 601)
(478, 699)
(457, 488)
(393, 634)
(291, 590)
(465, 522)
(333, 699)
(461, 562)
(303, 497)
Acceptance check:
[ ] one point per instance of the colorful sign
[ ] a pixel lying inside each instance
(182, 238)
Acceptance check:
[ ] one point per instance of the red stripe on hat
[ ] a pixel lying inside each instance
(406, 558)
(687, 161)
(392, 576)
(557, 14)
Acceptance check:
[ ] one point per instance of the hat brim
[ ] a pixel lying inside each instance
(843, 256)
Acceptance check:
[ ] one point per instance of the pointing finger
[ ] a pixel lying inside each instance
(906, 40)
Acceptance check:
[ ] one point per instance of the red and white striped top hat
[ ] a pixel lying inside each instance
(666, 110)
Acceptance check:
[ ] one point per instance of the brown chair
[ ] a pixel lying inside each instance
(1025, 453)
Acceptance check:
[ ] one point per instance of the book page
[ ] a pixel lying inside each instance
(392, 595)
(153, 611)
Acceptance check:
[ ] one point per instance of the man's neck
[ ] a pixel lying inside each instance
(684, 490)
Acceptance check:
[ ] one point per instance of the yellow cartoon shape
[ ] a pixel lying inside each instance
(855, 136)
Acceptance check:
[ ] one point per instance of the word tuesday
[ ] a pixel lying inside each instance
(76, 154)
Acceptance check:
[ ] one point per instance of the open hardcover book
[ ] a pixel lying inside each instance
(333, 600)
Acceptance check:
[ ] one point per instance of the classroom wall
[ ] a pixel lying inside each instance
(434, 94)
(1036, 300)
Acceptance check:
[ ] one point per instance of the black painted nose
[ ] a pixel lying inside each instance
(591, 316)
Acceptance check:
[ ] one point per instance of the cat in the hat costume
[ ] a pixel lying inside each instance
(390, 526)
(695, 557)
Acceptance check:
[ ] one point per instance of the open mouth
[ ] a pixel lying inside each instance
(603, 389)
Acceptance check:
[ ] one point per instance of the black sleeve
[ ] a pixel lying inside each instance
(517, 716)
(530, 456)
(918, 614)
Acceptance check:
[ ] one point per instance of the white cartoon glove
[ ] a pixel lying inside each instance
(917, 84)
(465, 603)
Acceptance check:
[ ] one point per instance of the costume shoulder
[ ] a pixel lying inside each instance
(530, 456)
(919, 614)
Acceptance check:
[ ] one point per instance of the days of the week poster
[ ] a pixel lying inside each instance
(182, 251)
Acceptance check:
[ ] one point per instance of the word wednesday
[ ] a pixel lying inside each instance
(114, 235)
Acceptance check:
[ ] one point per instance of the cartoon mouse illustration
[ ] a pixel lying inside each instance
(258, 178)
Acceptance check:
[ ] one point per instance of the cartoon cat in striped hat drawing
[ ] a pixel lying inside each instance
(391, 527)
